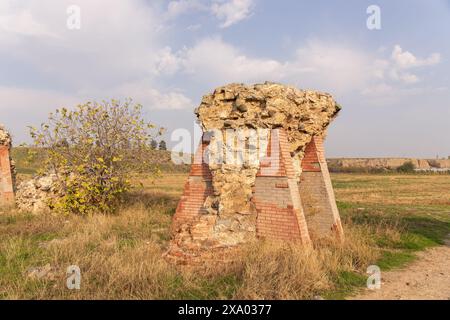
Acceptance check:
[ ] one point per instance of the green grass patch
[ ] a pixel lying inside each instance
(420, 226)
(346, 283)
(16, 255)
(395, 259)
(414, 228)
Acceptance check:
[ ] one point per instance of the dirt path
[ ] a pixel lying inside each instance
(426, 278)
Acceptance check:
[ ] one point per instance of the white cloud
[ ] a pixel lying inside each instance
(22, 107)
(405, 59)
(142, 92)
(333, 67)
(167, 62)
(170, 100)
(214, 60)
(118, 41)
(232, 11)
(179, 7)
(229, 12)
(22, 23)
(117, 38)
(405, 77)
(324, 66)
(29, 100)
(397, 66)
(128, 45)
(330, 66)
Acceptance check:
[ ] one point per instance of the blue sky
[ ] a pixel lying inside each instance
(393, 83)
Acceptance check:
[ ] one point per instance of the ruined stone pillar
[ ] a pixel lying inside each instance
(316, 192)
(251, 184)
(6, 171)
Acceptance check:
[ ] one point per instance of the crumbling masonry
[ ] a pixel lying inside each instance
(259, 171)
(6, 169)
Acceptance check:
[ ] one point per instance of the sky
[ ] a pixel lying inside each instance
(393, 82)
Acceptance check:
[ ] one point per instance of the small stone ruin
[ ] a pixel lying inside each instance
(7, 169)
(29, 196)
(35, 194)
(259, 172)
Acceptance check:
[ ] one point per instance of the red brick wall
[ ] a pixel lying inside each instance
(196, 189)
(276, 195)
(6, 183)
(277, 218)
(310, 161)
(316, 192)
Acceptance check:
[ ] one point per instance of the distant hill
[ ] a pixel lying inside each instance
(350, 164)
(26, 165)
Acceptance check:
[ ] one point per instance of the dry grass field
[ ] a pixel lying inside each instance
(387, 219)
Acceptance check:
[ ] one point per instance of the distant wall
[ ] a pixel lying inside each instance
(386, 163)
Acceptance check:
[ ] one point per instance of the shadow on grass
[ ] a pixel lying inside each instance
(398, 232)
(419, 228)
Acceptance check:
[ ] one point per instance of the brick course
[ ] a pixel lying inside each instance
(6, 178)
(317, 193)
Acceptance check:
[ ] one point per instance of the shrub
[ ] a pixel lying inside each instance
(154, 144)
(94, 150)
(407, 167)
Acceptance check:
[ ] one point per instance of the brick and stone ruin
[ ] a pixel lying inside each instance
(259, 172)
(29, 196)
(7, 170)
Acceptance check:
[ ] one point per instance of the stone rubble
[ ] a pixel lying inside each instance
(34, 195)
(5, 137)
(44, 272)
(302, 113)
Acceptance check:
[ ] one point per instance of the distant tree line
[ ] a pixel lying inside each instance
(161, 145)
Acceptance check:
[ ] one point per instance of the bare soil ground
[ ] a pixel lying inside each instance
(428, 278)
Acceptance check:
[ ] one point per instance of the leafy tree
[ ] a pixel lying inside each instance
(407, 167)
(162, 145)
(154, 144)
(94, 150)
